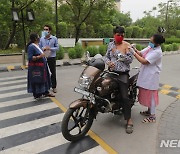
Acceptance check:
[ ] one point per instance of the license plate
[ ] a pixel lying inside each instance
(81, 91)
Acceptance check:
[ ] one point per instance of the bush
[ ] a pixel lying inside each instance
(175, 47)
(72, 53)
(129, 31)
(79, 51)
(172, 40)
(163, 47)
(169, 47)
(92, 50)
(60, 53)
(103, 49)
(139, 47)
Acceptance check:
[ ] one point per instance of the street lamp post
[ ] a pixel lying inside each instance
(56, 20)
(23, 29)
(29, 17)
(166, 20)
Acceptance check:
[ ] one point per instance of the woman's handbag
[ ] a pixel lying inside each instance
(37, 72)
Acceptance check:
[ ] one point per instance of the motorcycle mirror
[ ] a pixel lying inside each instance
(87, 55)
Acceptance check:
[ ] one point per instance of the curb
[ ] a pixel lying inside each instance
(60, 63)
(169, 90)
(171, 53)
(11, 68)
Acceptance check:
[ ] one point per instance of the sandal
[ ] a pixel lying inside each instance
(49, 95)
(145, 113)
(129, 128)
(150, 119)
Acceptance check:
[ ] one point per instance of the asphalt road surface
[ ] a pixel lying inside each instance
(29, 126)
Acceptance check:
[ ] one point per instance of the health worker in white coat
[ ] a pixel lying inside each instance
(148, 78)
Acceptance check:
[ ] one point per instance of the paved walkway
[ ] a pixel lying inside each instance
(169, 128)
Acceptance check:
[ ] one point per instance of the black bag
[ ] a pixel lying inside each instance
(37, 72)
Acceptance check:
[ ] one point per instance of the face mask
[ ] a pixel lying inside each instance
(118, 39)
(45, 33)
(152, 45)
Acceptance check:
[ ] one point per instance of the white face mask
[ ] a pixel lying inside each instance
(44, 33)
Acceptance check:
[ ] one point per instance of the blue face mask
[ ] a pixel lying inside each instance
(152, 45)
(45, 33)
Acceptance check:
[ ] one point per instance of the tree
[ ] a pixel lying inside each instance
(172, 22)
(106, 30)
(129, 31)
(149, 24)
(137, 32)
(12, 31)
(62, 30)
(81, 10)
(5, 6)
(23, 4)
(121, 19)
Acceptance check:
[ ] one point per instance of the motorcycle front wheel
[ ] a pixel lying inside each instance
(76, 123)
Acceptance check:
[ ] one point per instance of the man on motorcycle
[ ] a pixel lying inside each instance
(118, 58)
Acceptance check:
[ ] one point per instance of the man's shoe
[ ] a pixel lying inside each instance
(54, 90)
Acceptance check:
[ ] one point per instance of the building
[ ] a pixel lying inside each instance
(118, 5)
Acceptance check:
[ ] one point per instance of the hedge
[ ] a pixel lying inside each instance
(139, 47)
(172, 40)
(163, 47)
(92, 50)
(102, 49)
(72, 53)
(175, 46)
(60, 53)
(169, 47)
(79, 51)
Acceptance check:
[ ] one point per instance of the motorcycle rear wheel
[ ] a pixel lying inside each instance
(76, 119)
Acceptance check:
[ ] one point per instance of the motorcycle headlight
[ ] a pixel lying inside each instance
(84, 81)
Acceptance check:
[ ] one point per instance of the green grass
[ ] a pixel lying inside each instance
(11, 51)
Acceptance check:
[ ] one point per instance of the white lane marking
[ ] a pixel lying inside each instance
(21, 112)
(14, 77)
(98, 150)
(38, 146)
(17, 101)
(23, 127)
(12, 82)
(13, 94)
(13, 87)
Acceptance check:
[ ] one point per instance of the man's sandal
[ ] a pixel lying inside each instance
(149, 120)
(129, 128)
(145, 113)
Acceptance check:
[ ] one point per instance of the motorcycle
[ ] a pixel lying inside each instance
(100, 91)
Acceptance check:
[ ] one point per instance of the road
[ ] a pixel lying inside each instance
(25, 123)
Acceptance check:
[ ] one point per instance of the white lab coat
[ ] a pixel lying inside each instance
(149, 74)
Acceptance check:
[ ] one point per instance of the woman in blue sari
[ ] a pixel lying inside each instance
(39, 81)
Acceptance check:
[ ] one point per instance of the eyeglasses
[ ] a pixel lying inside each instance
(46, 29)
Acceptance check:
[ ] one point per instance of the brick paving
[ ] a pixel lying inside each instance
(169, 128)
